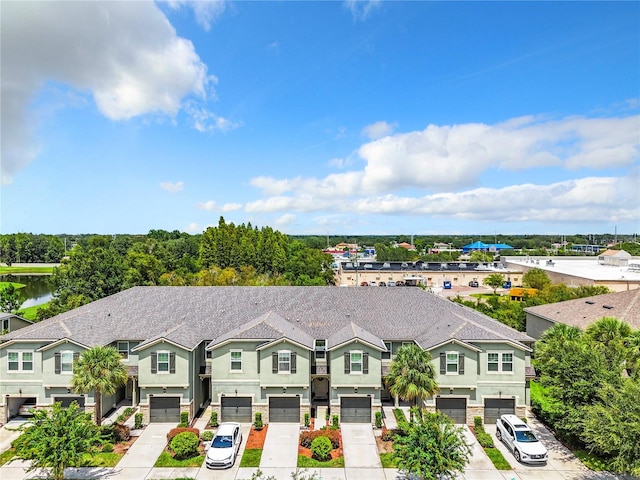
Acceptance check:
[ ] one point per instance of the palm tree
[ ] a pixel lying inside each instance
(100, 370)
(412, 375)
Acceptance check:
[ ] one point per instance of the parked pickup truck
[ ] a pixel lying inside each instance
(519, 438)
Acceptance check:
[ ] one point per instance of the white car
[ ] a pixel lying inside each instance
(520, 439)
(26, 409)
(224, 446)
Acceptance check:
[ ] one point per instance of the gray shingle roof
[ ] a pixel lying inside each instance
(189, 315)
(582, 312)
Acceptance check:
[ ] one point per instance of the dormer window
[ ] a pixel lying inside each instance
(320, 348)
(123, 350)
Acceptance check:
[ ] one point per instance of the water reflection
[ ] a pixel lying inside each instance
(38, 289)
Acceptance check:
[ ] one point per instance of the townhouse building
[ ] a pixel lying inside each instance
(282, 351)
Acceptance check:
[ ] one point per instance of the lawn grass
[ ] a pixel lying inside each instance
(31, 313)
(251, 457)
(166, 460)
(16, 285)
(497, 459)
(102, 459)
(388, 460)
(25, 270)
(304, 461)
(7, 455)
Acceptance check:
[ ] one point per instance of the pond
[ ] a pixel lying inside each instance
(37, 291)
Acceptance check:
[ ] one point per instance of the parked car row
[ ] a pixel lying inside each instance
(390, 283)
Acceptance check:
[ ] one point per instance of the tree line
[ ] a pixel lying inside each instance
(590, 386)
(227, 254)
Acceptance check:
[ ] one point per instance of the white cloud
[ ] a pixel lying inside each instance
(360, 9)
(125, 54)
(172, 187)
(205, 120)
(378, 130)
(449, 163)
(212, 206)
(206, 11)
(193, 227)
(285, 220)
(603, 199)
(453, 157)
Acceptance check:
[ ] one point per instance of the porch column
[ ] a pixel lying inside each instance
(134, 392)
(396, 401)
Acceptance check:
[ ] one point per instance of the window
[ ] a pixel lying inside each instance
(5, 325)
(387, 355)
(123, 350)
(163, 362)
(284, 361)
(356, 362)
(236, 361)
(500, 362)
(208, 354)
(320, 348)
(20, 361)
(507, 362)
(66, 362)
(452, 363)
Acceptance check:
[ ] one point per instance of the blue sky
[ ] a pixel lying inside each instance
(321, 117)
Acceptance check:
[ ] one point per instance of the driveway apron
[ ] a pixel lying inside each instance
(147, 448)
(478, 461)
(359, 446)
(281, 446)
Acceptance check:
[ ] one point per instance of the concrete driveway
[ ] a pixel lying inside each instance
(361, 459)
(562, 464)
(281, 446)
(205, 473)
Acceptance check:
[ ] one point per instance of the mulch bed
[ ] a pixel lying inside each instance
(335, 453)
(257, 437)
(384, 446)
(123, 447)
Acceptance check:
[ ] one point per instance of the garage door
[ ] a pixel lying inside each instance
(164, 409)
(284, 409)
(236, 409)
(494, 407)
(355, 410)
(455, 408)
(66, 401)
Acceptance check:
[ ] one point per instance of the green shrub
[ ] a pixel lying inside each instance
(207, 436)
(214, 419)
(321, 449)
(308, 436)
(378, 419)
(257, 421)
(334, 422)
(107, 447)
(178, 430)
(326, 415)
(120, 418)
(138, 420)
(485, 439)
(184, 418)
(477, 422)
(128, 411)
(307, 420)
(116, 433)
(400, 416)
(185, 445)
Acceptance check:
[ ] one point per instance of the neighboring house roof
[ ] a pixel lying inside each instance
(615, 253)
(187, 316)
(582, 312)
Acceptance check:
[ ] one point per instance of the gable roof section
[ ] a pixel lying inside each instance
(269, 326)
(352, 332)
(582, 312)
(187, 316)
